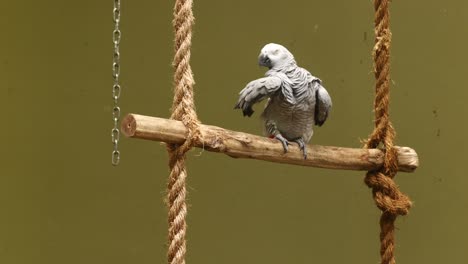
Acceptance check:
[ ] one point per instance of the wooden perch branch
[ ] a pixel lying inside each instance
(243, 145)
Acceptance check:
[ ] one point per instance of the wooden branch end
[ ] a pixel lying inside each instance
(129, 125)
(409, 158)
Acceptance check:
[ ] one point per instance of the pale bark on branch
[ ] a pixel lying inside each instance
(244, 145)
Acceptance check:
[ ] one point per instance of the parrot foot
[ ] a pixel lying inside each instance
(302, 146)
(283, 141)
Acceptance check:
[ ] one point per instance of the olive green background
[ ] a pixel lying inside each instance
(62, 202)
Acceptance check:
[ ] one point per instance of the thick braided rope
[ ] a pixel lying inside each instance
(183, 109)
(387, 196)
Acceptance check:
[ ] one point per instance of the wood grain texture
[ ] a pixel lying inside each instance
(243, 145)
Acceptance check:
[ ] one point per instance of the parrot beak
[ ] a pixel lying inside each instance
(263, 60)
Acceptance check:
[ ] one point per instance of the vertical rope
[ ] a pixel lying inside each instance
(387, 196)
(183, 109)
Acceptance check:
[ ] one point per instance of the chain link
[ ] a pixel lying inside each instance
(116, 89)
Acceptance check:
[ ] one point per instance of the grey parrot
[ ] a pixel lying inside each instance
(296, 99)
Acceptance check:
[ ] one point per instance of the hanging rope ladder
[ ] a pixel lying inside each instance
(183, 131)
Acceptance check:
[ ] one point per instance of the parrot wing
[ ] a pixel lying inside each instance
(256, 91)
(323, 103)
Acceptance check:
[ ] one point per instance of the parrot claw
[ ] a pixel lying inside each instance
(283, 141)
(302, 146)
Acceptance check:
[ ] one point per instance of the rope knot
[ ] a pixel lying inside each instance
(388, 197)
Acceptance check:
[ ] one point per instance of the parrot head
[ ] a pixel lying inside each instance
(274, 56)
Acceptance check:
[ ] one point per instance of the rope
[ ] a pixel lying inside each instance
(183, 109)
(387, 196)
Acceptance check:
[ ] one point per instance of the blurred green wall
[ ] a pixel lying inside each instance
(62, 202)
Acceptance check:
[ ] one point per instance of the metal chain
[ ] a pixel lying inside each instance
(116, 88)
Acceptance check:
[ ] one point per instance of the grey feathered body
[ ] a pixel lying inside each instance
(294, 117)
(296, 100)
